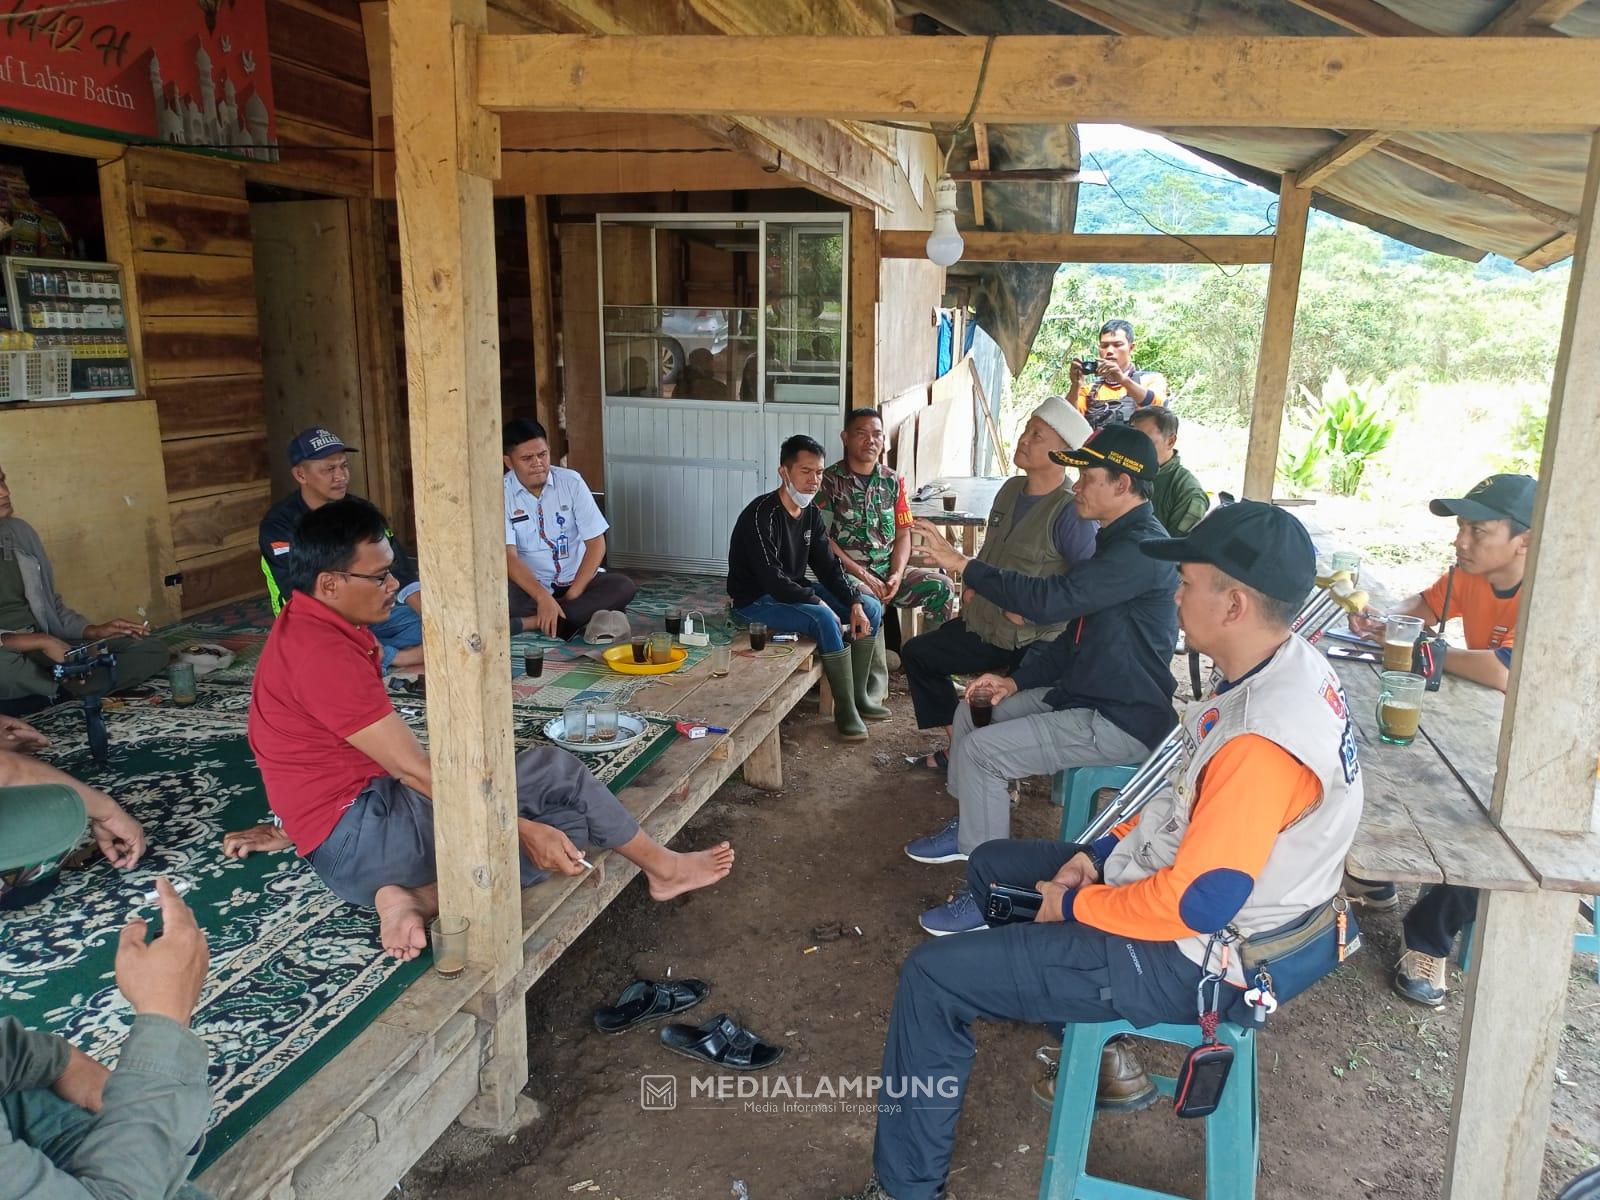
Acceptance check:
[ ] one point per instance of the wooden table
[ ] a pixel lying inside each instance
(1426, 818)
(974, 498)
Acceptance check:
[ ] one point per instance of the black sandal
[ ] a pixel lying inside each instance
(645, 1000)
(939, 766)
(722, 1044)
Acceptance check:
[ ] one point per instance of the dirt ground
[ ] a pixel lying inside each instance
(1355, 1082)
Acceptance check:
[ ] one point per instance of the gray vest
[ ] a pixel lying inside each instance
(1295, 701)
(1027, 546)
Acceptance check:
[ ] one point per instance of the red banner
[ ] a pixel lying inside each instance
(187, 72)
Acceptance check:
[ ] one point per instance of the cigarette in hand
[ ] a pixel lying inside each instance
(585, 864)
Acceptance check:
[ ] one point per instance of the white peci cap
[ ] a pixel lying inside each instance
(1066, 420)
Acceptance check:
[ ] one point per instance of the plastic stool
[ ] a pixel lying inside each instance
(1074, 787)
(1232, 1146)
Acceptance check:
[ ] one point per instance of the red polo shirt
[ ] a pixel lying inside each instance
(319, 681)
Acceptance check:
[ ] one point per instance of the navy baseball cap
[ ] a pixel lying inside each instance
(1499, 497)
(1258, 544)
(316, 442)
(1115, 447)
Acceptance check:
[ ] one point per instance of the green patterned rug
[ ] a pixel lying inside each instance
(295, 973)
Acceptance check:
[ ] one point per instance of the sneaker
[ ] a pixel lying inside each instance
(1420, 978)
(1124, 1085)
(957, 915)
(1379, 897)
(941, 847)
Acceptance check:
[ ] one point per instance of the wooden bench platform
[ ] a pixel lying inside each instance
(356, 1126)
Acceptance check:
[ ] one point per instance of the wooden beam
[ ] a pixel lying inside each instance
(577, 173)
(980, 141)
(1277, 338)
(997, 246)
(1103, 17)
(1512, 1026)
(1367, 17)
(1482, 184)
(1516, 19)
(1351, 147)
(864, 238)
(1553, 251)
(445, 147)
(541, 294)
(1437, 84)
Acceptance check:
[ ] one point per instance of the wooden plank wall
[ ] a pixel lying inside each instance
(320, 88)
(189, 246)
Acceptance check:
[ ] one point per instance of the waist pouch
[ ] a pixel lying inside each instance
(1287, 960)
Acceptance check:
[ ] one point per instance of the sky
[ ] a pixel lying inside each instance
(1121, 137)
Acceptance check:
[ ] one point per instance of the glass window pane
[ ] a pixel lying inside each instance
(805, 313)
(691, 334)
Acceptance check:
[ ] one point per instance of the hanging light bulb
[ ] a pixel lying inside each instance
(944, 243)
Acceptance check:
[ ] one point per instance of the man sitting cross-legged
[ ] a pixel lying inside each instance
(351, 783)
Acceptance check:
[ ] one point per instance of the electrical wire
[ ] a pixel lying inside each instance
(1123, 200)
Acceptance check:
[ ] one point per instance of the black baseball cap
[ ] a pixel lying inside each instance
(1260, 545)
(316, 442)
(1115, 447)
(1507, 497)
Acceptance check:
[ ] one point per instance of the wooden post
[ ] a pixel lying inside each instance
(764, 767)
(1516, 997)
(1277, 337)
(546, 379)
(863, 308)
(446, 153)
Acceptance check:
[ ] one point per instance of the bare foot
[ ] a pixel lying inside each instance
(686, 872)
(402, 922)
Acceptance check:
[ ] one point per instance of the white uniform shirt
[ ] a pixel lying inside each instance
(549, 529)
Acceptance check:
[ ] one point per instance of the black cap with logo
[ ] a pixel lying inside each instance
(1116, 448)
(1260, 545)
(316, 442)
(1507, 497)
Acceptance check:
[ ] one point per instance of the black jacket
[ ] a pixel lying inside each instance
(769, 552)
(1116, 657)
(277, 532)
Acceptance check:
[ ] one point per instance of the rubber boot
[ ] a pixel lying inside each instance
(836, 669)
(869, 667)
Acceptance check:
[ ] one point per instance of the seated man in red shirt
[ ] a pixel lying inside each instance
(351, 784)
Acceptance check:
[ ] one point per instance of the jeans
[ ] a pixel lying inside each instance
(400, 630)
(819, 620)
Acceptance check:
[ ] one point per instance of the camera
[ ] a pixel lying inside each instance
(1090, 365)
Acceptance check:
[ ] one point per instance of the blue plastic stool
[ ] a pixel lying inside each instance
(1074, 787)
(1232, 1133)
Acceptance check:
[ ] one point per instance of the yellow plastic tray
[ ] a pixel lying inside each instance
(620, 658)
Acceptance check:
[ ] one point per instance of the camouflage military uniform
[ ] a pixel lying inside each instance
(863, 520)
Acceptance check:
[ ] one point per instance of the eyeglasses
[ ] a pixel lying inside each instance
(380, 580)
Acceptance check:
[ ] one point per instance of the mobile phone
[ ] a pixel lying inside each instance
(1198, 1089)
(1008, 905)
(87, 652)
(1355, 653)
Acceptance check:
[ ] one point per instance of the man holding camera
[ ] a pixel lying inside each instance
(1119, 389)
(1250, 837)
(1494, 528)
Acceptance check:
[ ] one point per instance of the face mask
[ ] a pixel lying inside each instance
(800, 498)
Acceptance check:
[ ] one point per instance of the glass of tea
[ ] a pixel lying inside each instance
(949, 501)
(641, 648)
(1399, 706)
(449, 938)
(721, 657)
(533, 662)
(982, 706)
(575, 723)
(1400, 634)
(674, 621)
(659, 648)
(180, 675)
(1347, 560)
(605, 723)
(758, 636)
